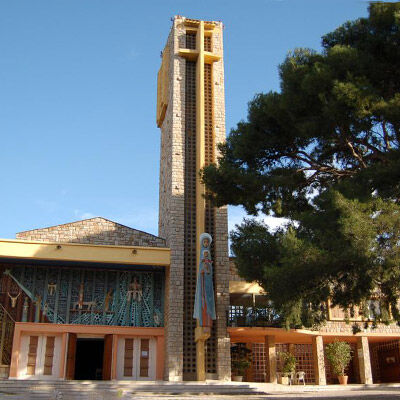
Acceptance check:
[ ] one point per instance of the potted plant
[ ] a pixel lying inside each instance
(239, 368)
(241, 360)
(288, 361)
(339, 355)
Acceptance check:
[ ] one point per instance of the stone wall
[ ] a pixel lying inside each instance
(221, 217)
(346, 328)
(233, 274)
(97, 230)
(171, 204)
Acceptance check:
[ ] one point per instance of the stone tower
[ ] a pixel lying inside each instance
(191, 116)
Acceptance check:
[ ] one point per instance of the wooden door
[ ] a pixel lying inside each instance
(144, 359)
(389, 362)
(136, 359)
(107, 357)
(71, 355)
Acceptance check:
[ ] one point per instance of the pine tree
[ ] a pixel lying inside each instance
(323, 152)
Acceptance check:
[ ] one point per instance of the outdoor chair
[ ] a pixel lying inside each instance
(300, 377)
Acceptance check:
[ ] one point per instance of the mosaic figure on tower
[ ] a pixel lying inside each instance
(204, 304)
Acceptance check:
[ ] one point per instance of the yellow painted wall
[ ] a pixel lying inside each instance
(86, 253)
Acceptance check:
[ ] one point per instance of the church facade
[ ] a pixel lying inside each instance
(83, 300)
(94, 299)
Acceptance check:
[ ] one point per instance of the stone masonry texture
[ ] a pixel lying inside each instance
(171, 205)
(233, 274)
(221, 218)
(171, 217)
(97, 230)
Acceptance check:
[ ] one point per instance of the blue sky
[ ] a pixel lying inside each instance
(78, 94)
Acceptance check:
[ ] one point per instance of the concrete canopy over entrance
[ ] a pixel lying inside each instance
(134, 255)
(370, 351)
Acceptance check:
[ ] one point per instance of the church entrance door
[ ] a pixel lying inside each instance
(89, 359)
(39, 357)
(136, 359)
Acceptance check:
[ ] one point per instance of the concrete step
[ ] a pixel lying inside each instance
(76, 389)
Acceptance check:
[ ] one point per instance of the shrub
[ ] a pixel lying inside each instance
(240, 366)
(288, 361)
(339, 355)
(241, 359)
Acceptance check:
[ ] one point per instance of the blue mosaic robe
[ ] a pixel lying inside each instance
(204, 303)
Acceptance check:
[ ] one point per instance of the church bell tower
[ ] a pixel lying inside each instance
(191, 116)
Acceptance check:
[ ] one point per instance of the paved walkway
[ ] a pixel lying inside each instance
(368, 394)
(342, 395)
(188, 391)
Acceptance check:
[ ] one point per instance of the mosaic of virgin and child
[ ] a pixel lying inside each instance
(204, 304)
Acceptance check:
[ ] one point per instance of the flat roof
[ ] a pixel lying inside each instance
(282, 335)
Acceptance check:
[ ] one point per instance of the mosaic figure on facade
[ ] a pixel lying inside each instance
(135, 291)
(204, 304)
(25, 309)
(51, 289)
(90, 297)
(156, 319)
(38, 305)
(108, 300)
(13, 299)
(79, 303)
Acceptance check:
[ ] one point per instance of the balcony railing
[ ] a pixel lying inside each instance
(241, 316)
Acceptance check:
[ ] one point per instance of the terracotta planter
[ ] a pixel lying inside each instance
(343, 379)
(237, 378)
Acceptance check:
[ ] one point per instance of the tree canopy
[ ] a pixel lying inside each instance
(323, 152)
